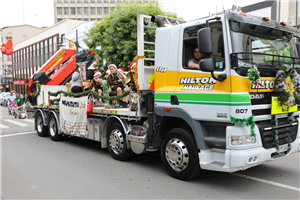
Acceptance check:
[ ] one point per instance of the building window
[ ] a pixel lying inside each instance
(132, 1)
(99, 1)
(92, 1)
(85, 19)
(66, 11)
(72, 1)
(105, 1)
(112, 1)
(66, 1)
(59, 11)
(59, 19)
(59, 1)
(86, 1)
(73, 11)
(145, 1)
(86, 11)
(112, 9)
(93, 11)
(93, 19)
(99, 11)
(106, 10)
(120, 1)
(79, 11)
(79, 1)
(99, 19)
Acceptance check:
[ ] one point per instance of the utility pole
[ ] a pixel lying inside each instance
(297, 13)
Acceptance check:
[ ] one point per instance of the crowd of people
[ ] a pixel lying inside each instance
(15, 104)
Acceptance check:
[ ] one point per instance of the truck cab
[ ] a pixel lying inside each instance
(212, 99)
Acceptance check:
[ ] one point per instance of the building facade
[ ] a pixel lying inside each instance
(15, 34)
(88, 10)
(33, 52)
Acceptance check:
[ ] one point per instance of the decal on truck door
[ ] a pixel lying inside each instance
(198, 83)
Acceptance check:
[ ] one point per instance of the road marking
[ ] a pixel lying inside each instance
(17, 134)
(268, 182)
(3, 126)
(28, 120)
(14, 122)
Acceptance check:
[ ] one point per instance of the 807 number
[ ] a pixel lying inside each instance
(241, 111)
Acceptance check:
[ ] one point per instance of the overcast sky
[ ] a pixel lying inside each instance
(40, 12)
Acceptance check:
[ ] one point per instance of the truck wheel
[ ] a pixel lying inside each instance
(179, 154)
(53, 129)
(39, 125)
(117, 146)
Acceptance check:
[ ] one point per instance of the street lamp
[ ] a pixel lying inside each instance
(76, 43)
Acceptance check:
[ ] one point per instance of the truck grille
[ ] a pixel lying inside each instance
(266, 131)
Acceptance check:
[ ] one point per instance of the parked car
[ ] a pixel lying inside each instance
(3, 98)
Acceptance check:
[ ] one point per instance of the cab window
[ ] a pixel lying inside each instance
(190, 44)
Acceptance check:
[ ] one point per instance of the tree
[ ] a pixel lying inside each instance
(116, 35)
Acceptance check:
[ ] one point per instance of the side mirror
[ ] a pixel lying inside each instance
(298, 48)
(208, 65)
(204, 39)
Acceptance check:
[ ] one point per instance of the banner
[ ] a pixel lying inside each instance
(72, 115)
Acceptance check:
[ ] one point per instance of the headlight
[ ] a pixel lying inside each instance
(242, 140)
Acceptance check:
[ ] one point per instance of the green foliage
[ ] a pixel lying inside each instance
(117, 34)
(249, 121)
(253, 75)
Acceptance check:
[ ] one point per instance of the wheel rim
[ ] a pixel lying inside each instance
(116, 141)
(39, 123)
(177, 154)
(53, 127)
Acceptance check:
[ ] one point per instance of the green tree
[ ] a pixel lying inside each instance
(116, 35)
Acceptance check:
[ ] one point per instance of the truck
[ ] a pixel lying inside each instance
(211, 118)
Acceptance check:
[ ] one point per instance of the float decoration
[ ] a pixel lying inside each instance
(7, 48)
(136, 73)
(287, 84)
(249, 121)
(254, 76)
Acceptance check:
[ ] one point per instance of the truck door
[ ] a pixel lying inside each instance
(197, 92)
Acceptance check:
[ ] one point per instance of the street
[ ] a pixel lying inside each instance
(38, 168)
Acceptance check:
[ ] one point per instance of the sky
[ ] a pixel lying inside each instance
(40, 12)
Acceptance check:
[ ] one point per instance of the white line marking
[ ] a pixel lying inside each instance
(267, 182)
(3, 126)
(28, 120)
(14, 122)
(17, 134)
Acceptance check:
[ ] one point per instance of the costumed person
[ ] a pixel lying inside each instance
(116, 84)
(76, 82)
(106, 75)
(97, 83)
(19, 100)
(130, 74)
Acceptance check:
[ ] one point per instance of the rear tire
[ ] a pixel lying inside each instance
(53, 129)
(179, 154)
(39, 125)
(117, 146)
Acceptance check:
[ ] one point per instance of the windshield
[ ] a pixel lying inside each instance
(263, 46)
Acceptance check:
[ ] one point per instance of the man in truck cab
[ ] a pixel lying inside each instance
(194, 62)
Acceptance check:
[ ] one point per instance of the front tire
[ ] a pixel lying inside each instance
(53, 129)
(39, 125)
(117, 146)
(179, 154)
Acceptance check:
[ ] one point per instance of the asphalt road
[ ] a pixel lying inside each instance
(38, 168)
(10, 124)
